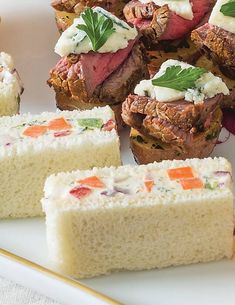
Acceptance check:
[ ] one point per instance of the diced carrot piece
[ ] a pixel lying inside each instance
(80, 192)
(35, 131)
(59, 124)
(92, 182)
(180, 173)
(192, 183)
(149, 185)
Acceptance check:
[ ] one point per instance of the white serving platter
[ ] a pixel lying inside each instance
(28, 32)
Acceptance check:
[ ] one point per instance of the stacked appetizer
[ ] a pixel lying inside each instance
(175, 115)
(216, 39)
(102, 62)
(10, 86)
(67, 10)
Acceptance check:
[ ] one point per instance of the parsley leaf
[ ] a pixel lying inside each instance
(98, 28)
(228, 9)
(179, 79)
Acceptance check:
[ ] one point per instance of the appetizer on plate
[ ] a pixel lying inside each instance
(10, 86)
(32, 147)
(216, 39)
(139, 217)
(175, 115)
(100, 65)
(67, 10)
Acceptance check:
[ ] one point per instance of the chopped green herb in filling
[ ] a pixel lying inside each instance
(90, 123)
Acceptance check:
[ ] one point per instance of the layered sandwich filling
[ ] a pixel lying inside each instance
(166, 20)
(155, 180)
(60, 126)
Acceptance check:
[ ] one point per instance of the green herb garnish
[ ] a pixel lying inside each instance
(211, 185)
(98, 28)
(90, 123)
(179, 79)
(228, 9)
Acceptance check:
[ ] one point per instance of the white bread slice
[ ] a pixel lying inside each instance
(26, 162)
(10, 86)
(123, 226)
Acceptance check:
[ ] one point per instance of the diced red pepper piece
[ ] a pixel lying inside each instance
(59, 124)
(92, 182)
(110, 125)
(192, 183)
(63, 133)
(180, 173)
(35, 131)
(149, 185)
(80, 192)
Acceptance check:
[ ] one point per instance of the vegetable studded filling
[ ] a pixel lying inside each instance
(58, 127)
(184, 178)
(62, 127)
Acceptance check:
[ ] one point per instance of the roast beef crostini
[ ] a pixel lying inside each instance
(98, 68)
(216, 39)
(67, 10)
(175, 115)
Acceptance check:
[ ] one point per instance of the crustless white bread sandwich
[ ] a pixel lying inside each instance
(10, 86)
(32, 147)
(139, 217)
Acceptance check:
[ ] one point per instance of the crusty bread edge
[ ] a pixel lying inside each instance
(144, 154)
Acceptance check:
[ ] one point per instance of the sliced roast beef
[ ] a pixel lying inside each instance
(96, 67)
(159, 23)
(186, 115)
(68, 77)
(174, 122)
(123, 81)
(219, 45)
(165, 131)
(135, 10)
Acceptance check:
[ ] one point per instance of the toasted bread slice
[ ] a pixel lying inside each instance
(64, 20)
(148, 149)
